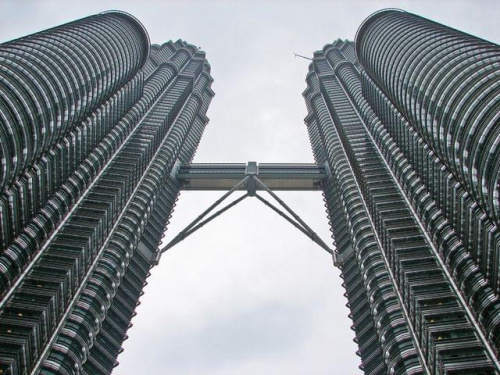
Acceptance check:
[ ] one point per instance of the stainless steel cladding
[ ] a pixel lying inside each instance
(92, 121)
(408, 126)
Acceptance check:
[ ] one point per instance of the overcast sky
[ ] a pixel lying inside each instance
(248, 293)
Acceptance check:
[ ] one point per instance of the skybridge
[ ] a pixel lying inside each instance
(250, 178)
(218, 176)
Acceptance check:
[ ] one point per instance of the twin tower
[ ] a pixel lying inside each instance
(98, 129)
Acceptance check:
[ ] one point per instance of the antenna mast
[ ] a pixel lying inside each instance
(306, 58)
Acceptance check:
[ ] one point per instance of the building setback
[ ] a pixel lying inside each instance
(92, 121)
(407, 121)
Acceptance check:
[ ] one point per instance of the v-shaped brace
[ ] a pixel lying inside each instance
(251, 181)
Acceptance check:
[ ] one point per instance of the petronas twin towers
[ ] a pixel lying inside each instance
(98, 130)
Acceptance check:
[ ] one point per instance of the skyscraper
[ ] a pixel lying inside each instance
(406, 119)
(404, 128)
(92, 121)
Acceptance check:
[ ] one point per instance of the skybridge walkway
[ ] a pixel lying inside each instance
(250, 178)
(277, 177)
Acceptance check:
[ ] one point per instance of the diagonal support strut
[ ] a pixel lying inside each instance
(309, 233)
(198, 223)
(251, 180)
(315, 237)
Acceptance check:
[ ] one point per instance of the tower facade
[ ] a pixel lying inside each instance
(92, 122)
(407, 121)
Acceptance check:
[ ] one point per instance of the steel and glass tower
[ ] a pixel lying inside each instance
(98, 130)
(407, 121)
(92, 121)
